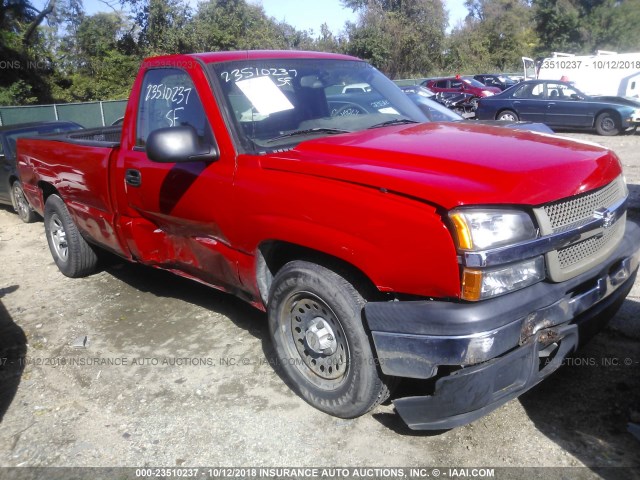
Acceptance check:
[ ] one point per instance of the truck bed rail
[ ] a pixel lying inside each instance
(102, 137)
(107, 137)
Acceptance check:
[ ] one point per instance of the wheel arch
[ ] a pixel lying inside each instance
(272, 255)
(616, 114)
(47, 190)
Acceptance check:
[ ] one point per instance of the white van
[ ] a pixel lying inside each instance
(605, 73)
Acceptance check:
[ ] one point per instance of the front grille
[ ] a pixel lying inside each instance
(570, 213)
(565, 213)
(574, 254)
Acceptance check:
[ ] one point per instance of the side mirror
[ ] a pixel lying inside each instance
(178, 145)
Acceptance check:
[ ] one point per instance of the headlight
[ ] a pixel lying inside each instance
(487, 228)
(481, 229)
(479, 284)
(636, 113)
(488, 93)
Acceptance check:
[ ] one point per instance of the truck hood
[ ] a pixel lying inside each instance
(453, 164)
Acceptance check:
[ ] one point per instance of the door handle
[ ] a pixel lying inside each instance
(133, 177)
(551, 104)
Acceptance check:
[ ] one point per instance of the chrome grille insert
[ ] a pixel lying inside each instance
(576, 253)
(567, 214)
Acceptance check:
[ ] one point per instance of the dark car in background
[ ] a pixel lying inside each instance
(493, 80)
(561, 105)
(347, 104)
(436, 112)
(11, 192)
(460, 85)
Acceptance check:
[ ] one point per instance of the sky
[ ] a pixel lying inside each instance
(302, 14)
(307, 14)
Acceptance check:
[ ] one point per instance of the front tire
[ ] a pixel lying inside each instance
(607, 124)
(315, 321)
(71, 252)
(20, 204)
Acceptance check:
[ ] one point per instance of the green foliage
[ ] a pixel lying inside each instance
(235, 25)
(497, 33)
(401, 38)
(62, 54)
(583, 26)
(18, 93)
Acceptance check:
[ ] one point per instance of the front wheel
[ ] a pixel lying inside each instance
(20, 204)
(607, 124)
(315, 320)
(71, 252)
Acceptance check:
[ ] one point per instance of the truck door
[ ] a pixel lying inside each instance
(180, 212)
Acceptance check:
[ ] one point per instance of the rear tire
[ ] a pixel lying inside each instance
(20, 204)
(508, 116)
(71, 252)
(316, 325)
(607, 124)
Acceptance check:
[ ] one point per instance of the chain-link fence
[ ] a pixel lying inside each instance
(88, 114)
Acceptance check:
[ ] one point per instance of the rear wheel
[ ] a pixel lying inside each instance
(20, 204)
(71, 252)
(607, 124)
(315, 320)
(508, 116)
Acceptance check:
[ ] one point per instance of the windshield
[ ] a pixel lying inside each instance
(278, 103)
(473, 82)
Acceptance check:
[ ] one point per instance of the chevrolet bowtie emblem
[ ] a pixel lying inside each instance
(608, 217)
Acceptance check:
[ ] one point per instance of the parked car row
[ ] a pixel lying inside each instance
(555, 103)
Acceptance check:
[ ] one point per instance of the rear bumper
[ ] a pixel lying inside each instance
(498, 341)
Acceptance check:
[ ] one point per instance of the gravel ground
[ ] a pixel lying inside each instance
(191, 381)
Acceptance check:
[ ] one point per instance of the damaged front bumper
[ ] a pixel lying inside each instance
(506, 345)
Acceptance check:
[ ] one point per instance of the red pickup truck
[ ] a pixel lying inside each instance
(475, 258)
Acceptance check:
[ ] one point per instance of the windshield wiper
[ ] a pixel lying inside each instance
(397, 121)
(308, 131)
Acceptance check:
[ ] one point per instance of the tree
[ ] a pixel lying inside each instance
(583, 26)
(103, 61)
(165, 26)
(499, 33)
(558, 26)
(400, 37)
(238, 25)
(20, 43)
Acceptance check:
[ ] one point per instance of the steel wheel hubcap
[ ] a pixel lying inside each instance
(318, 338)
(607, 124)
(58, 237)
(21, 203)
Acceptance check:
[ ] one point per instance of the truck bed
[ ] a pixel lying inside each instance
(96, 137)
(78, 166)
